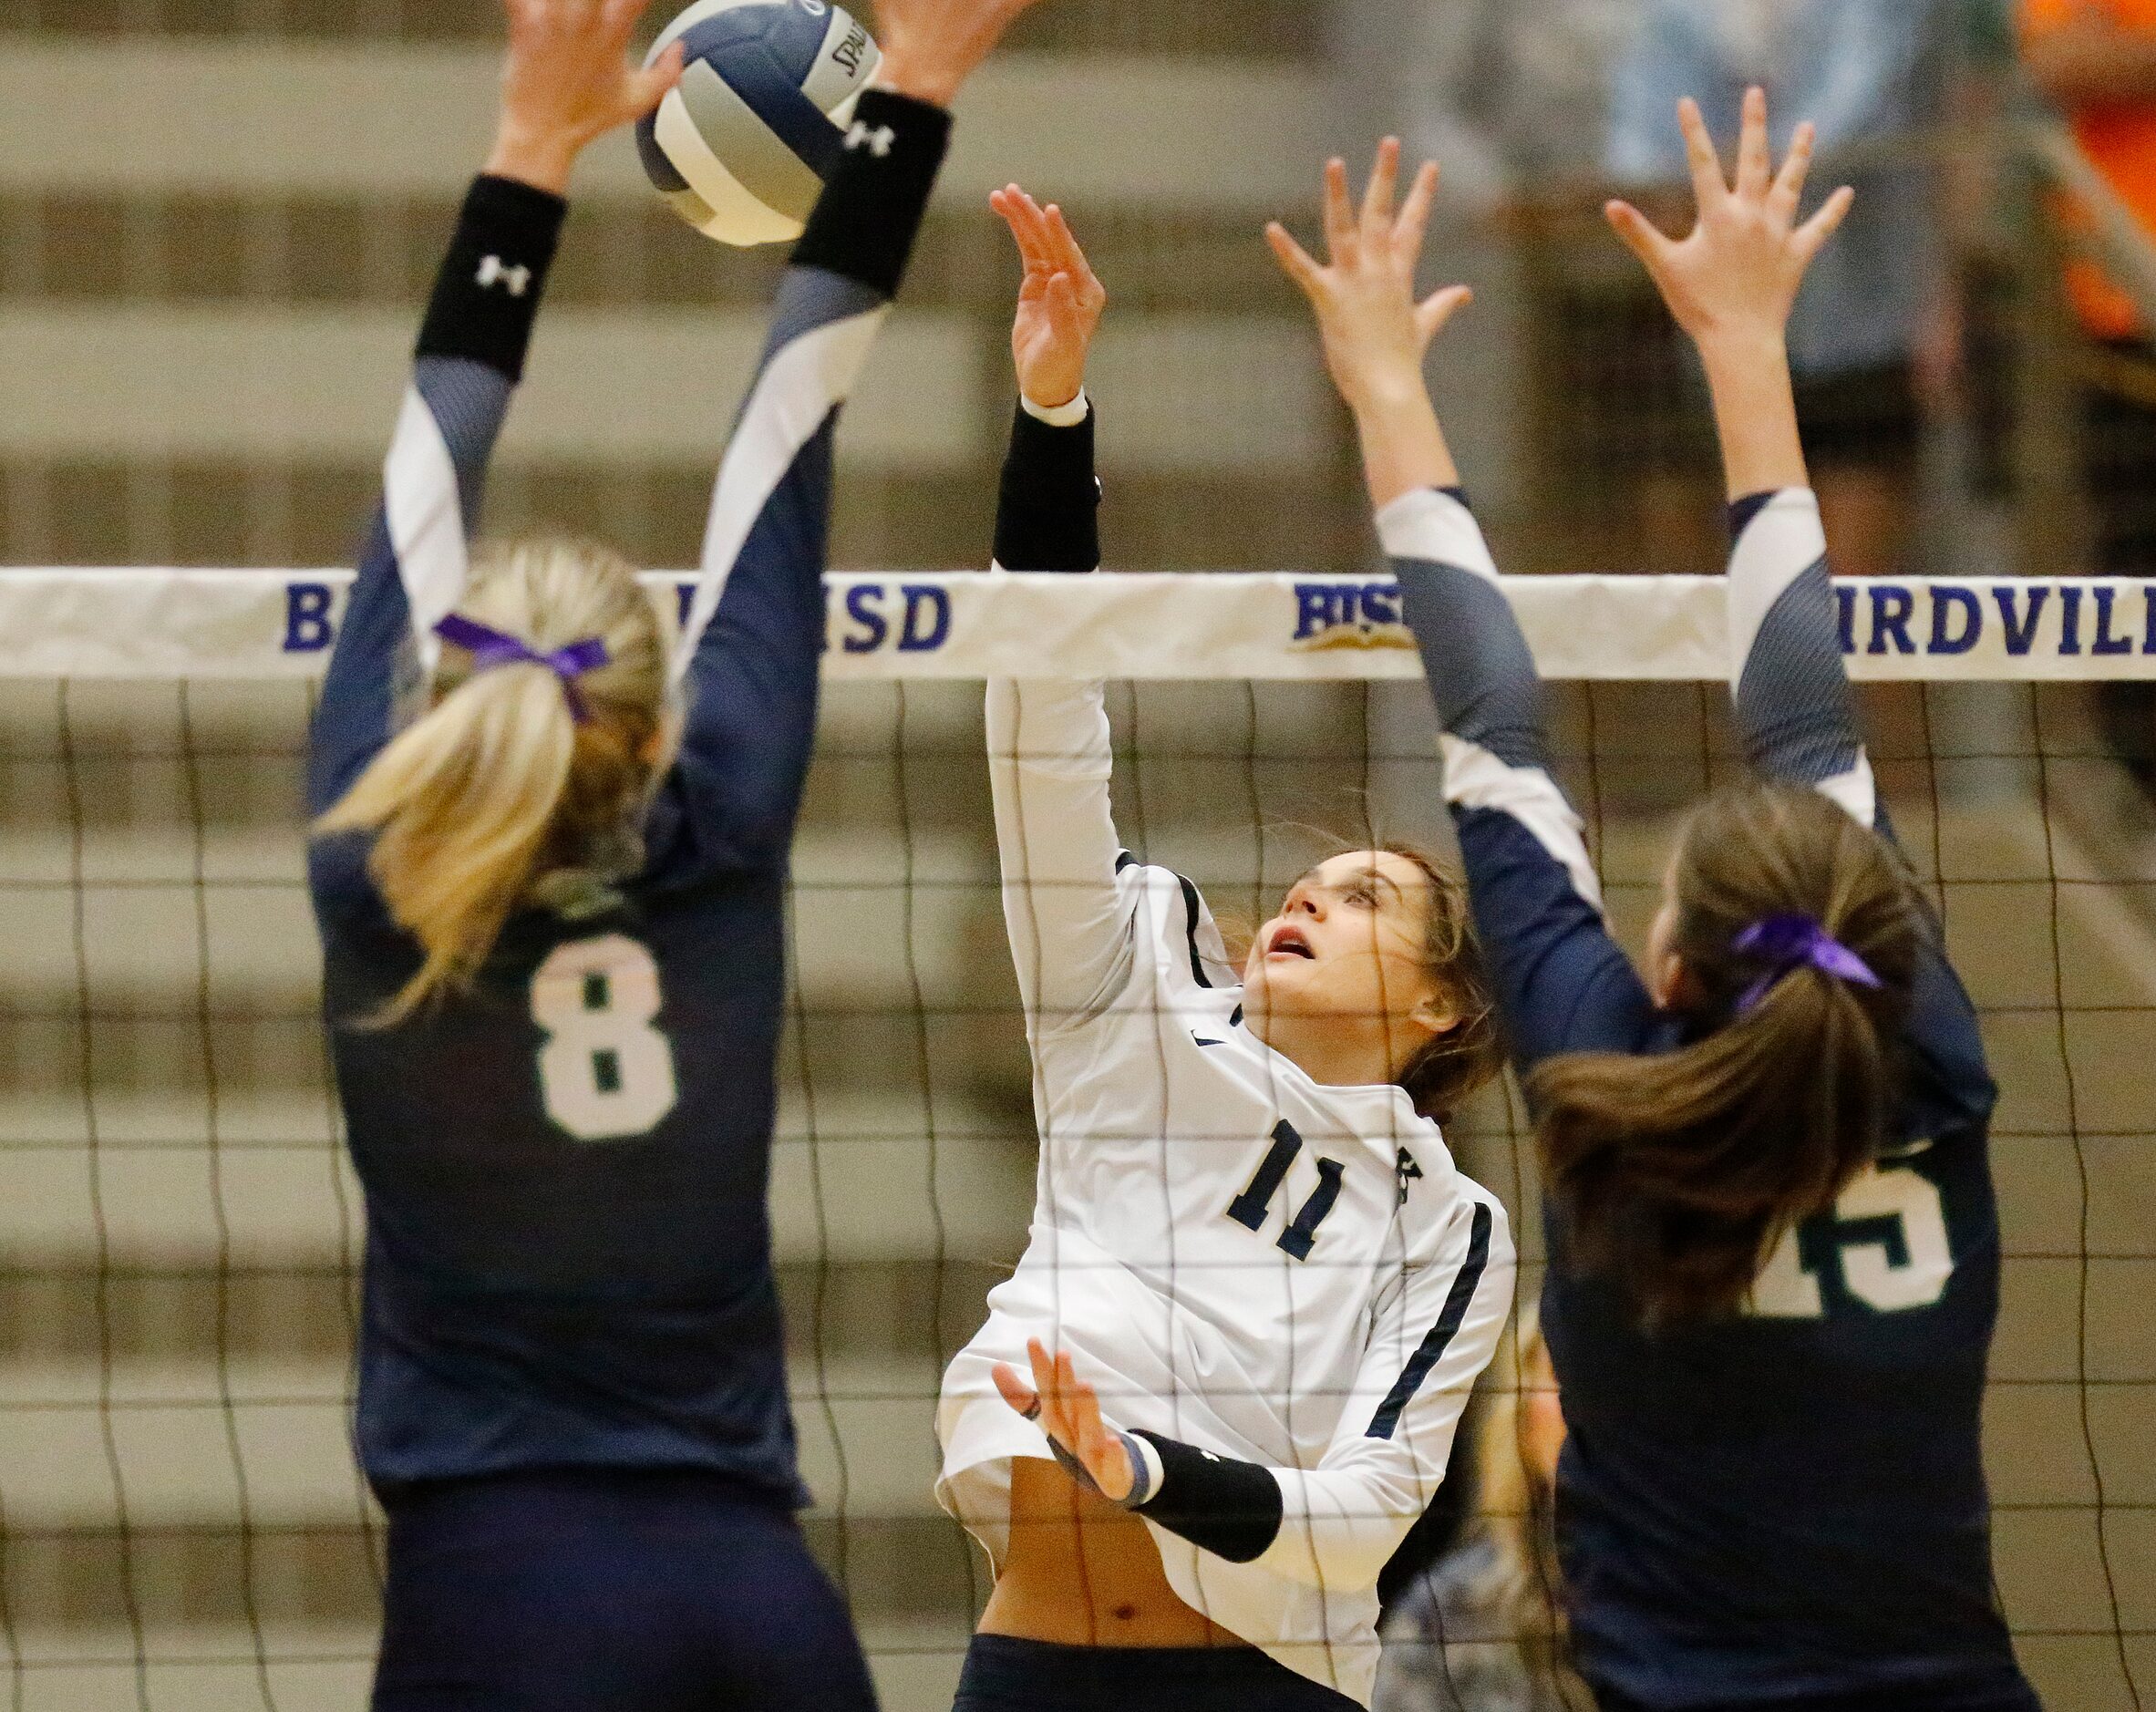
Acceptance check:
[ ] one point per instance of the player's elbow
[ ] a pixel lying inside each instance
(1338, 1536)
(1334, 1559)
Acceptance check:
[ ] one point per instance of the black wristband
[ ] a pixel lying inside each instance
(487, 295)
(1047, 516)
(1231, 1509)
(870, 211)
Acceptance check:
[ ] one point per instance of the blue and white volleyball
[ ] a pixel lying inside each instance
(741, 150)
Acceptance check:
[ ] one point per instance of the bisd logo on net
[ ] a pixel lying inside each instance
(1349, 615)
(860, 618)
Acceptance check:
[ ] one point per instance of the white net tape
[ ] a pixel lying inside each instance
(151, 623)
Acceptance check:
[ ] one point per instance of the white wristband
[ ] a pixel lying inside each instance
(1058, 415)
(1146, 1470)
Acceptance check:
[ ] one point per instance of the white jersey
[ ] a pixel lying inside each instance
(1238, 1257)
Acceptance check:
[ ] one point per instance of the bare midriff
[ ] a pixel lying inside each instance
(1081, 1572)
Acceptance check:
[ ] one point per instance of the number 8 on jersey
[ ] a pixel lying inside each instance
(605, 1071)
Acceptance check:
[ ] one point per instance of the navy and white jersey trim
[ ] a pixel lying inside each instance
(413, 570)
(1788, 1504)
(822, 332)
(1204, 1206)
(566, 1168)
(1474, 654)
(1794, 703)
(1440, 1336)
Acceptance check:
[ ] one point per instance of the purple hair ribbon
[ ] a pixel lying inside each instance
(490, 647)
(1796, 941)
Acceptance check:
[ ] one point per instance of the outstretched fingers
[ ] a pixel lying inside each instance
(1020, 1396)
(1339, 214)
(1796, 168)
(1028, 227)
(1294, 261)
(1754, 156)
(1047, 1384)
(1435, 313)
(1069, 257)
(1708, 184)
(1412, 227)
(1811, 238)
(1640, 235)
(1378, 195)
(651, 84)
(1082, 1408)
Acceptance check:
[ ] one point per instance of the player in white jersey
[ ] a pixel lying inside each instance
(1250, 1246)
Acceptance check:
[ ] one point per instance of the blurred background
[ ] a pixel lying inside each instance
(218, 218)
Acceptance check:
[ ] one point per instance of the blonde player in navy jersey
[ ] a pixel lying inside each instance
(1775, 1253)
(550, 881)
(1250, 1240)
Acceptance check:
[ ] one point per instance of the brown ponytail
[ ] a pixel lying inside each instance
(498, 792)
(1676, 1173)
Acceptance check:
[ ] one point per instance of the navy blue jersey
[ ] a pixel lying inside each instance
(568, 1258)
(1789, 1502)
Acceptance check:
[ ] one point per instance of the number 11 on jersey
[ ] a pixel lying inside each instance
(1253, 1206)
(605, 1071)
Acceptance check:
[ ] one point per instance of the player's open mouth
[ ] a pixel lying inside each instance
(1288, 941)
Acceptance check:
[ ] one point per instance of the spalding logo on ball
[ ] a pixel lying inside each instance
(742, 147)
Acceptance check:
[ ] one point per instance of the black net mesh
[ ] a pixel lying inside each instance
(181, 1525)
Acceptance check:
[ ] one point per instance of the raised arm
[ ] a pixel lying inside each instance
(752, 646)
(1730, 284)
(567, 81)
(1336, 1526)
(1563, 984)
(1068, 911)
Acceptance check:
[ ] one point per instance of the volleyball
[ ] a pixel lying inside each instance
(741, 149)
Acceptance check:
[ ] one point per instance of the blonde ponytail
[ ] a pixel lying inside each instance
(499, 792)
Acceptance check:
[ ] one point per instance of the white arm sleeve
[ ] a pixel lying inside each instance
(1070, 918)
(1433, 1333)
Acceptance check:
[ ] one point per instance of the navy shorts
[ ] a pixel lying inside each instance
(1004, 1674)
(2016, 1697)
(606, 1591)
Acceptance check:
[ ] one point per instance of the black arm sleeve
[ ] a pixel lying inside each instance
(487, 295)
(1047, 513)
(870, 211)
(1231, 1509)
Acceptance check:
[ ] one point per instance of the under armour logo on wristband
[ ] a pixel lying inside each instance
(877, 140)
(494, 272)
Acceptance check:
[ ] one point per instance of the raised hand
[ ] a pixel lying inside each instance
(1069, 1412)
(1059, 300)
(931, 46)
(1734, 276)
(1376, 333)
(569, 81)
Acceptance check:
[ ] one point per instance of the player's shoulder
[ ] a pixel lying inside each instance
(1176, 926)
(1442, 1206)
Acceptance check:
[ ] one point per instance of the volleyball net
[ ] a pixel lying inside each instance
(180, 1523)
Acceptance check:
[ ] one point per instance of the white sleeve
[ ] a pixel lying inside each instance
(1433, 1333)
(1069, 916)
